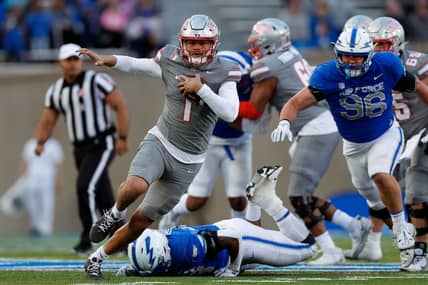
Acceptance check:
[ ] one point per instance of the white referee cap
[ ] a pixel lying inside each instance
(68, 50)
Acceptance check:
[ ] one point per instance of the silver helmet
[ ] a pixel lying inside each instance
(387, 30)
(358, 21)
(268, 36)
(198, 28)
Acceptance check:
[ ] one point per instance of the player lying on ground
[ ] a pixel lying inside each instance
(224, 248)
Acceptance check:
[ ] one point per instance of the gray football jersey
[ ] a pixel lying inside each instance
(409, 109)
(293, 73)
(186, 124)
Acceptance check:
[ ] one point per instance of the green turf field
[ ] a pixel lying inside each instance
(59, 248)
(290, 278)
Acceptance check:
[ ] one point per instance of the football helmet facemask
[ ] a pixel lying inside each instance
(357, 43)
(198, 28)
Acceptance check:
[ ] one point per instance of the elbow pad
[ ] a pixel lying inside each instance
(247, 110)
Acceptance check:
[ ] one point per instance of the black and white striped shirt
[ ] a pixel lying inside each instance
(83, 104)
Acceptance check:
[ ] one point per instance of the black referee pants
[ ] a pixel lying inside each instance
(94, 189)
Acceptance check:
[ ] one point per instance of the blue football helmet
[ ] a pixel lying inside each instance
(357, 43)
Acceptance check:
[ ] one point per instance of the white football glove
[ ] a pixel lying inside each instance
(281, 132)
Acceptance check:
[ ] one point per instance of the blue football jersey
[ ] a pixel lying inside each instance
(188, 252)
(361, 106)
(244, 87)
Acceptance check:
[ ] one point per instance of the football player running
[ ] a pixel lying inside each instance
(279, 71)
(411, 112)
(199, 89)
(224, 248)
(358, 88)
(229, 152)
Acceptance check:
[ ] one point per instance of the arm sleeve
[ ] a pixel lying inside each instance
(145, 66)
(225, 104)
(407, 83)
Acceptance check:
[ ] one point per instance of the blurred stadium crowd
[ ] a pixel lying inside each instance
(31, 29)
(317, 23)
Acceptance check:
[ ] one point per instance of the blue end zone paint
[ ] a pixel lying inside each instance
(77, 265)
(52, 265)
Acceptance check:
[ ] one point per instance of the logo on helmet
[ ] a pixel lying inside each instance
(149, 251)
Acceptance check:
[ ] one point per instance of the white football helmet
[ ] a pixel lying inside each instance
(358, 21)
(388, 30)
(150, 252)
(198, 27)
(268, 36)
(354, 42)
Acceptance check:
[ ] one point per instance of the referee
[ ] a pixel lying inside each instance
(86, 98)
